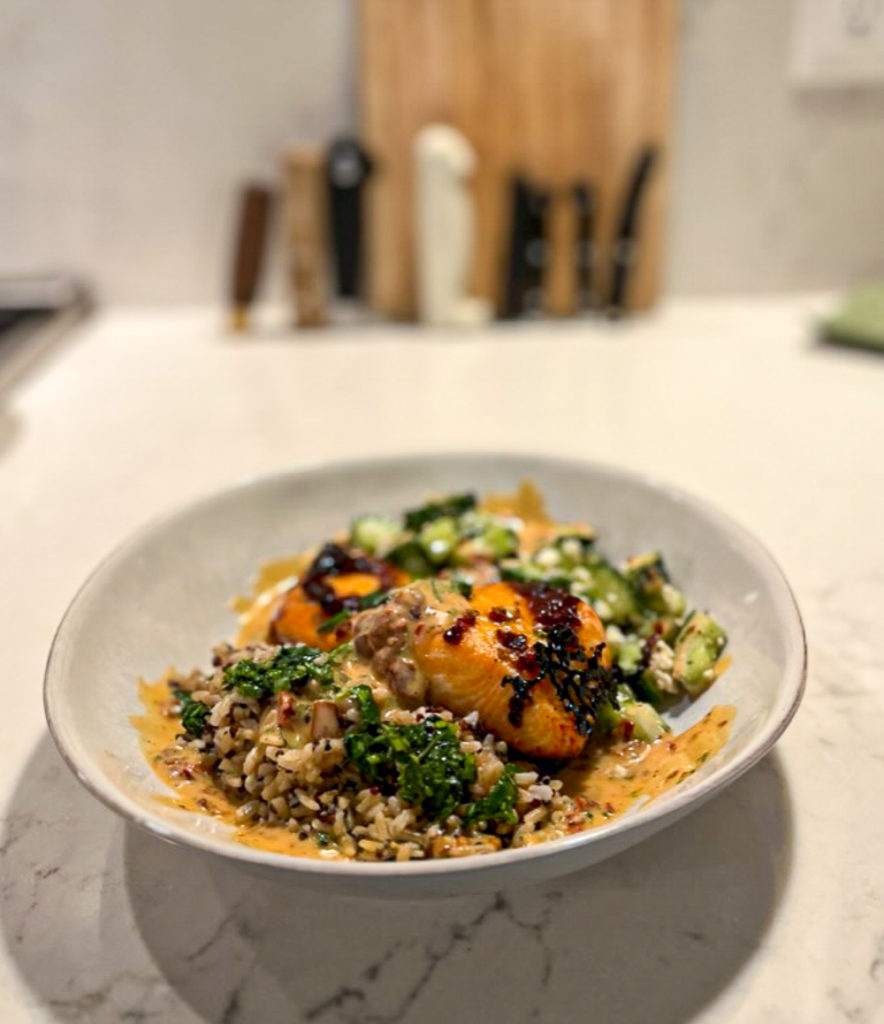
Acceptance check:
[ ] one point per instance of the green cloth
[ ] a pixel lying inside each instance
(860, 320)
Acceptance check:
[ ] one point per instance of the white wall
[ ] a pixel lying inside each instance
(126, 127)
(774, 187)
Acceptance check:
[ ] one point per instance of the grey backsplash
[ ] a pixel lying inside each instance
(127, 126)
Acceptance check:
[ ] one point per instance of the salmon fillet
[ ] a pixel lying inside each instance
(478, 655)
(298, 618)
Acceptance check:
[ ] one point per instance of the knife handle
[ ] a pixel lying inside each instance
(584, 199)
(347, 170)
(254, 213)
(306, 232)
(516, 268)
(528, 252)
(536, 249)
(625, 245)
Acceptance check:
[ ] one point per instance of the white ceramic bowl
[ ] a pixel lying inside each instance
(162, 598)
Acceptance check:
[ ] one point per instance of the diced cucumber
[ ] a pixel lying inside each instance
(674, 603)
(632, 660)
(612, 595)
(499, 541)
(646, 686)
(625, 694)
(439, 538)
(608, 717)
(575, 549)
(632, 718)
(646, 722)
(411, 557)
(376, 535)
(629, 656)
(697, 649)
(496, 541)
(665, 627)
(650, 580)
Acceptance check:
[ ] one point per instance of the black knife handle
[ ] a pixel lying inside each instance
(528, 255)
(625, 246)
(517, 268)
(347, 170)
(536, 249)
(584, 199)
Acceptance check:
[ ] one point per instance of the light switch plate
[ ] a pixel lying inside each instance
(838, 42)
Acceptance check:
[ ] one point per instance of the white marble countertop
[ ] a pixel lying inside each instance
(767, 905)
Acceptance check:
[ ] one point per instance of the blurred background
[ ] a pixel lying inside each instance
(132, 129)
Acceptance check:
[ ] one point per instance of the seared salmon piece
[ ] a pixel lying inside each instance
(478, 655)
(299, 617)
(336, 578)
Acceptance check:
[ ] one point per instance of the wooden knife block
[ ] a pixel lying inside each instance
(560, 90)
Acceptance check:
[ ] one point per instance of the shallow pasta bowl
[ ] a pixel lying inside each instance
(163, 599)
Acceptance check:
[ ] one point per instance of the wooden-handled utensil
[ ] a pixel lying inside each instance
(306, 212)
(251, 236)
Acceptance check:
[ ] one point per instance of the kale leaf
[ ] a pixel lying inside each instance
(291, 668)
(498, 804)
(455, 506)
(193, 713)
(369, 713)
(423, 763)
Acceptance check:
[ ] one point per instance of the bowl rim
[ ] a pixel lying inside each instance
(792, 689)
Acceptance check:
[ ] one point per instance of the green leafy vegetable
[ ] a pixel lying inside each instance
(498, 804)
(193, 713)
(423, 763)
(291, 668)
(451, 532)
(369, 714)
(525, 572)
(411, 557)
(454, 506)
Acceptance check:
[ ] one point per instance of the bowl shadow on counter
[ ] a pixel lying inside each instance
(654, 933)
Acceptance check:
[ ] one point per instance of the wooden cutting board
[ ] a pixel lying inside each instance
(562, 90)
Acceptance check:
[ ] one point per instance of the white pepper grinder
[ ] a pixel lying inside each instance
(444, 164)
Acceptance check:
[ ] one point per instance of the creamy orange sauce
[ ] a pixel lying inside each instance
(615, 779)
(272, 581)
(527, 503)
(722, 665)
(191, 785)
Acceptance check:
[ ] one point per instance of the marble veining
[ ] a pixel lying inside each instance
(105, 923)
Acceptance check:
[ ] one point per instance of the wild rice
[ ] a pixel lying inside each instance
(313, 791)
